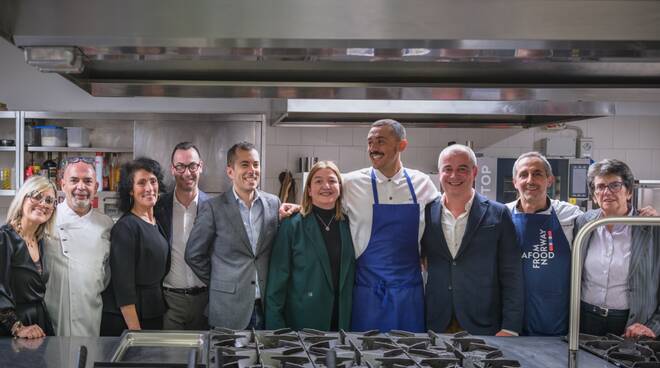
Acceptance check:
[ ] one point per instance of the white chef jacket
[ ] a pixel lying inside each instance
(358, 199)
(77, 258)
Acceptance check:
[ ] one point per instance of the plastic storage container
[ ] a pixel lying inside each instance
(32, 136)
(52, 136)
(77, 137)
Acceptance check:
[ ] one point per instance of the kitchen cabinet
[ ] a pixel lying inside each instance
(109, 135)
(10, 129)
(131, 135)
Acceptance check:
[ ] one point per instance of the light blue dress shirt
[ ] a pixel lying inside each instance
(253, 221)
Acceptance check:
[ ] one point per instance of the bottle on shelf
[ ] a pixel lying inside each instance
(114, 172)
(106, 174)
(5, 178)
(98, 166)
(29, 170)
(50, 168)
(60, 172)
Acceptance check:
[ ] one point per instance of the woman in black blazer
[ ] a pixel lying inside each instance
(139, 254)
(23, 274)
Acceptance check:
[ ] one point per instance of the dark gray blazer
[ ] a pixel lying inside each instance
(644, 271)
(483, 286)
(220, 254)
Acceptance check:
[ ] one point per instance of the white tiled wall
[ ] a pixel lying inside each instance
(635, 140)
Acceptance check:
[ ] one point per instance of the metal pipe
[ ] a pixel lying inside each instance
(576, 274)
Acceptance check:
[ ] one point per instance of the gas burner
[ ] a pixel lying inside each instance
(229, 358)
(625, 353)
(280, 357)
(653, 345)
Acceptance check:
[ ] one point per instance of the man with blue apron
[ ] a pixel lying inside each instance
(385, 204)
(541, 230)
(388, 291)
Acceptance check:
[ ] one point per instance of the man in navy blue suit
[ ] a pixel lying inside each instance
(185, 294)
(474, 270)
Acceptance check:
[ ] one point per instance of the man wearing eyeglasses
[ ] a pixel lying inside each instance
(185, 294)
(77, 254)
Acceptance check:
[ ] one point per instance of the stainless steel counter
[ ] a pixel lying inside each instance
(61, 352)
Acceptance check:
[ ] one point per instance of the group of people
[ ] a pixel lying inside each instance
(351, 256)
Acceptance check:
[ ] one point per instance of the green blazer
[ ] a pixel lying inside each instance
(300, 291)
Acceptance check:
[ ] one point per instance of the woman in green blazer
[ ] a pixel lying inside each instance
(312, 264)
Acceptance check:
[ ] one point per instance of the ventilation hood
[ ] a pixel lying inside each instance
(427, 113)
(498, 61)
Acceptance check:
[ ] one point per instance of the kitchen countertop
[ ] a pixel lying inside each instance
(61, 352)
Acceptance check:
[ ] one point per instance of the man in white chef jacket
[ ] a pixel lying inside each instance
(385, 204)
(76, 255)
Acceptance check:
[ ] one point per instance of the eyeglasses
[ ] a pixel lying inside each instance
(614, 187)
(192, 167)
(73, 160)
(40, 198)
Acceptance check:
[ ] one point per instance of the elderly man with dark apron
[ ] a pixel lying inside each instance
(546, 258)
(388, 291)
(544, 232)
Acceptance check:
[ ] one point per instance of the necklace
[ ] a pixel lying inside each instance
(327, 226)
(29, 241)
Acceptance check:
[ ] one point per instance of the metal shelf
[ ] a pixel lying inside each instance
(7, 192)
(80, 149)
(7, 148)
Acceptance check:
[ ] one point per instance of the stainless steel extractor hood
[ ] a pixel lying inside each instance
(428, 113)
(559, 59)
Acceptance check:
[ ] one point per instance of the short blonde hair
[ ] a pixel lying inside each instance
(307, 200)
(36, 184)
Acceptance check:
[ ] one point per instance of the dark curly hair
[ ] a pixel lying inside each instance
(126, 179)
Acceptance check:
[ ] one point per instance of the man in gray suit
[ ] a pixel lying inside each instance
(229, 246)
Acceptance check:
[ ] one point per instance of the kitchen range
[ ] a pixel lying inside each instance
(317, 349)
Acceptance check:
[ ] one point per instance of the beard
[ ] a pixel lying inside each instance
(81, 203)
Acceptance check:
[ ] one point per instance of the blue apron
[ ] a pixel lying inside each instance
(388, 293)
(546, 259)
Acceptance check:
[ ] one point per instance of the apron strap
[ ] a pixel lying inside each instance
(410, 186)
(375, 190)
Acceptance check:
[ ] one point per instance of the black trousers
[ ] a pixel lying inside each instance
(114, 325)
(594, 323)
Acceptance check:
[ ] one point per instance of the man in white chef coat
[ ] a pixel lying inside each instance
(385, 204)
(76, 255)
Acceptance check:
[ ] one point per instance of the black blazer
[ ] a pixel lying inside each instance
(22, 288)
(483, 286)
(163, 211)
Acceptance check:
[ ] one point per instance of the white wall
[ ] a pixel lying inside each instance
(635, 140)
